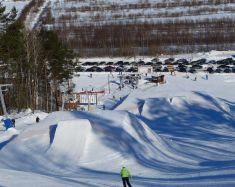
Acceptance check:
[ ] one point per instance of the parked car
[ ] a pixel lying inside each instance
(182, 66)
(226, 61)
(86, 63)
(167, 63)
(227, 70)
(94, 69)
(126, 63)
(157, 70)
(99, 69)
(197, 66)
(94, 63)
(155, 60)
(141, 62)
(149, 63)
(218, 70)
(109, 63)
(79, 69)
(191, 70)
(223, 66)
(182, 69)
(158, 63)
(182, 61)
(119, 69)
(176, 63)
(133, 63)
(199, 62)
(211, 62)
(109, 68)
(132, 69)
(210, 70)
(102, 63)
(118, 63)
(169, 60)
(165, 69)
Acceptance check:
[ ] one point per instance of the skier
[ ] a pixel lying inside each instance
(13, 122)
(37, 119)
(125, 174)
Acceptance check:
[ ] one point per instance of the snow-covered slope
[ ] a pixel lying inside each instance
(181, 133)
(141, 26)
(19, 4)
(105, 12)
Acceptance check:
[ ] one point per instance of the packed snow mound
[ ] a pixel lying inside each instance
(89, 141)
(201, 106)
(7, 136)
(69, 138)
(197, 103)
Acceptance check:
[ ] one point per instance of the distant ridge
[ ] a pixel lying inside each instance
(144, 27)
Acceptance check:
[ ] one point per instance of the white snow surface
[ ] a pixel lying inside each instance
(33, 17)
(19, 5)
(103, 12)
(181, 133)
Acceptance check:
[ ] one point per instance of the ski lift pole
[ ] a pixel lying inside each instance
(2, 99)
(63, 101)
(88, 101)
(108, 83)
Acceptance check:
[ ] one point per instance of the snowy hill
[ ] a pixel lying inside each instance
(19, 4)
(137, 27)
(142, 26)
(181, 133)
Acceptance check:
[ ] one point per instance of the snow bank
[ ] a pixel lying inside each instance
(7, 136)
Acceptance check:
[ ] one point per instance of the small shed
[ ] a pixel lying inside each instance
(145, 69)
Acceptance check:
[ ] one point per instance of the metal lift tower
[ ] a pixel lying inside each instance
(2, 98)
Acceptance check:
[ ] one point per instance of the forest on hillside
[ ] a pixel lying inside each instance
(142, 27)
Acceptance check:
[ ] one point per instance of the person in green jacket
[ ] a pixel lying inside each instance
(125, 174)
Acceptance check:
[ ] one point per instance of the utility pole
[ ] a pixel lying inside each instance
(108, 83)
(2, 98)
(51, 100)
(63, 101)
(121, 82)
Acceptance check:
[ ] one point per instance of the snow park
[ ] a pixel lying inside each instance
(137, 93)
(176, 132)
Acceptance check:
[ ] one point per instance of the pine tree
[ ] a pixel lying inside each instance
(37, 63)
(2, 18)
(60, 62)
(13, 56)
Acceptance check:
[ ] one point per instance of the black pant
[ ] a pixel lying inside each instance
(125, 181)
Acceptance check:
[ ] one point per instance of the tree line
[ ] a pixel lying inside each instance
(144, 27)
(36, 63)
(150, 38)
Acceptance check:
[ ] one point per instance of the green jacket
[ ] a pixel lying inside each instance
(125, 173)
